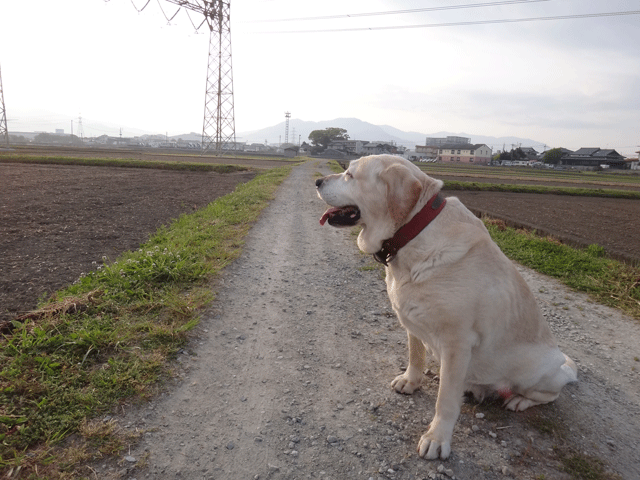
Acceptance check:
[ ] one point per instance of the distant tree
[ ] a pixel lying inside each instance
(57, 139)
(553, 156)
(18, 139)
(514, 154)
(322, 138)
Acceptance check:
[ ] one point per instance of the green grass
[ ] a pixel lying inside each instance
(123, 162)
(106, 339)
(335, 166)
(607, 281)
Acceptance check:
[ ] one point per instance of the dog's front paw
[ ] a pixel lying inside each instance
(432, 446)
(406, 384)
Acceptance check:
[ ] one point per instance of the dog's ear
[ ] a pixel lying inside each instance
(403, 191)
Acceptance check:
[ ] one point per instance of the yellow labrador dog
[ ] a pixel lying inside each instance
(452, 288)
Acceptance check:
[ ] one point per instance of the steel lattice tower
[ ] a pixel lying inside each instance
(4, 131)
(287, 115)
(219, 127)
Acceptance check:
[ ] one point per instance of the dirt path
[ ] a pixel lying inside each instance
(288, 376)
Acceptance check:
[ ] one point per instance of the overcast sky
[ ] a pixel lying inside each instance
(572, 82)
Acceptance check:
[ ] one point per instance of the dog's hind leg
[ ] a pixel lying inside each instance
(546, 390)
(411, 379)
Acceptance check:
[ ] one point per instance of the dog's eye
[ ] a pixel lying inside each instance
(348, 174)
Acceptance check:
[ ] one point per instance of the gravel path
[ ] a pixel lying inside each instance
(288, 376)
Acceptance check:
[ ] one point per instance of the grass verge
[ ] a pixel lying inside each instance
(124, 163)
(107, 338)
(588, 270)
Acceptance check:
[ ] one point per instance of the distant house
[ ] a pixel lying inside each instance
(427, 152)
(479, 153)
(351, 147)
(305, 148)
(291, 151)
(378, 148)
(258, 147)
(530, 152)
(590, 158)
(448, 140)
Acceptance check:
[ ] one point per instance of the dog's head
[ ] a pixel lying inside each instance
(380, 193)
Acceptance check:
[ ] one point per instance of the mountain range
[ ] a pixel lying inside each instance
(299, 131)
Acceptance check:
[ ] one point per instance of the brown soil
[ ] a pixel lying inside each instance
(57, 221)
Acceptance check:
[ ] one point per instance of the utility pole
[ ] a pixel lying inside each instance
(4, 131)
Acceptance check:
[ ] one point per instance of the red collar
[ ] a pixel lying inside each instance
(410, 230)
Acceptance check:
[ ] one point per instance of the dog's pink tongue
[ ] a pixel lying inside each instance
(326, 215)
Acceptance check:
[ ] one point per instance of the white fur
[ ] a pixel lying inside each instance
(456, 293)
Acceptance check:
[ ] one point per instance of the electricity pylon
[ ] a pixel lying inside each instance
(4, 131)
(219, 128)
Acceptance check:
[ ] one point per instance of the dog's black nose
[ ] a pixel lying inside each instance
(319, 182)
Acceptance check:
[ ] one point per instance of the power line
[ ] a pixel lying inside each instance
(140, 9)
(165, 15)
(458, 24)
(399, 12)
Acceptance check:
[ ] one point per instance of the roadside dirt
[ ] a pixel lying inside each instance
(288, 377)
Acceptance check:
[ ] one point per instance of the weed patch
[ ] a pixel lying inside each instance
(581, 466)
